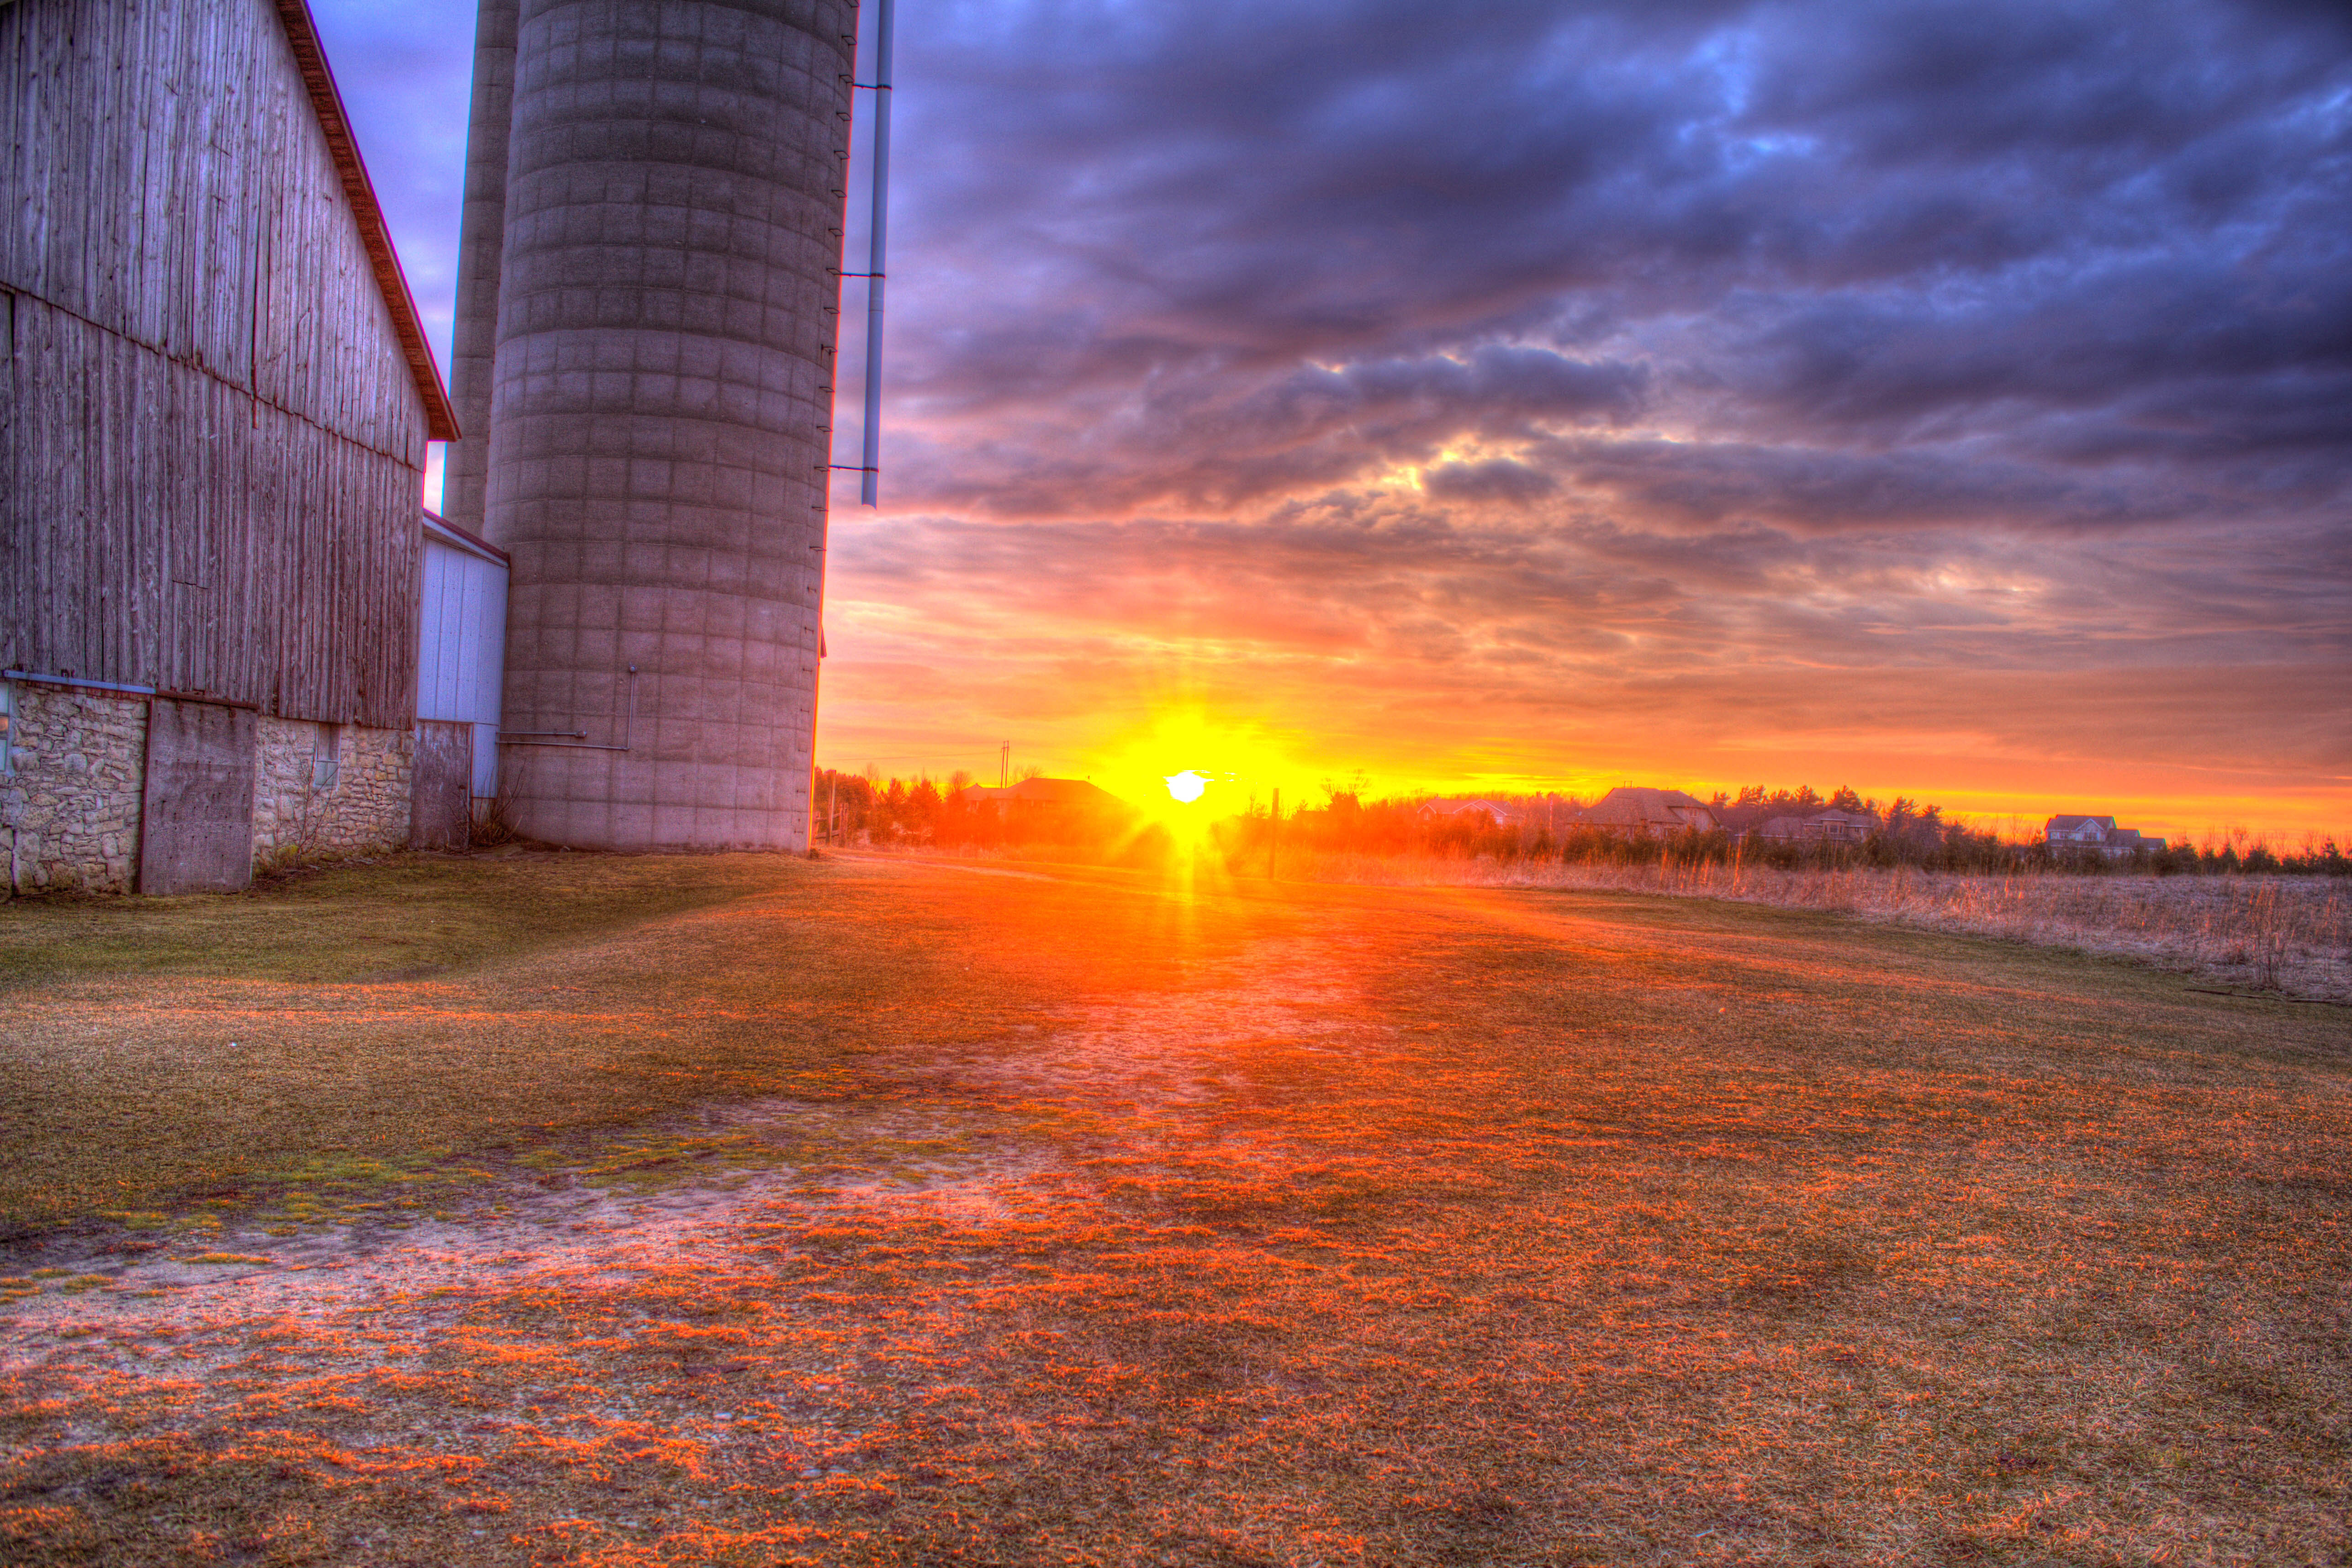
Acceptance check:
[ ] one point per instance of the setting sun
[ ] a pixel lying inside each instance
(1226, 761)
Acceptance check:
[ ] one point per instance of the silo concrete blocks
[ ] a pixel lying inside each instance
(660, 395)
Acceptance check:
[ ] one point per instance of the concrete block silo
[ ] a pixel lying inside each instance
(647, 316)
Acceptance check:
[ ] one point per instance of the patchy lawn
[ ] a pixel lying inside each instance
(743, 1210)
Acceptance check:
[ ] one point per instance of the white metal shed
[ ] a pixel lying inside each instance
(461, 640)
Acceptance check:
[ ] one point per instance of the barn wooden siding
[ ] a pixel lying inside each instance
(213, 443)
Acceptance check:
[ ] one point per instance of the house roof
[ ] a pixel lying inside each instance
(1497, 810)
(1045, 792)
(310, 59)
(2061, 823)
(1630, 803)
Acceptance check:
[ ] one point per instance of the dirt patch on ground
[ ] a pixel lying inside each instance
(878, 1214)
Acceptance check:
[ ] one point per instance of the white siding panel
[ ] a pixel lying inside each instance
(467, 672)
(461, 632)
(489, 662)
(434, 632)
(449, 678)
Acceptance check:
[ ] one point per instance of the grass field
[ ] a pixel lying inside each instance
(552, 1208)
(2286, 933)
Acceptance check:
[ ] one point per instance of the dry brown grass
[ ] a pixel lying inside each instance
(1036, 1219)
(332, 1026)
(2278, 933)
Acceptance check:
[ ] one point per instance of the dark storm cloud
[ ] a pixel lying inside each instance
(1206, 440)
(2029, 236)
(2170, 357)
(1496, 479)
(1694, 484)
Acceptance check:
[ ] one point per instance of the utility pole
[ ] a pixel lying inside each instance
(1273, 831)
(869, 476)
(1004, 764)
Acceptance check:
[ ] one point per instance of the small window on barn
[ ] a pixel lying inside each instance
(7, 728)
(327, 757)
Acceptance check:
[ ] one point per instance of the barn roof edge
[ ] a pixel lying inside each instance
(463, 539)
(327, 102)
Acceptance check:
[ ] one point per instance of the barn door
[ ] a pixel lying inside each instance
(441, 798)
(195, 832)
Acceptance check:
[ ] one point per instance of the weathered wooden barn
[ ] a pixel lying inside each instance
(214, 415)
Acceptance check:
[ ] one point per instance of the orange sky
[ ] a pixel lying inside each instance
(1121, 671)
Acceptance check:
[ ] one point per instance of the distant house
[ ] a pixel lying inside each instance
(1830, 827)
(2099, 834)
(1654, 812)
(1495, 814)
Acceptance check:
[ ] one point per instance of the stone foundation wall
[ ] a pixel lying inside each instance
(363, 807)
(71, 805)
(70, 810)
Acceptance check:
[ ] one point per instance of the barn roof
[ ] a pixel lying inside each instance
(310, 58)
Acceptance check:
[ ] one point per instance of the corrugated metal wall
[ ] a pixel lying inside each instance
(211, 446)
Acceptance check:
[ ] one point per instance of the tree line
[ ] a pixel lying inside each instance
(864, 809)
(1902, 832)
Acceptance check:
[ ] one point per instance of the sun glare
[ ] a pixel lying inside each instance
(1221, 765)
